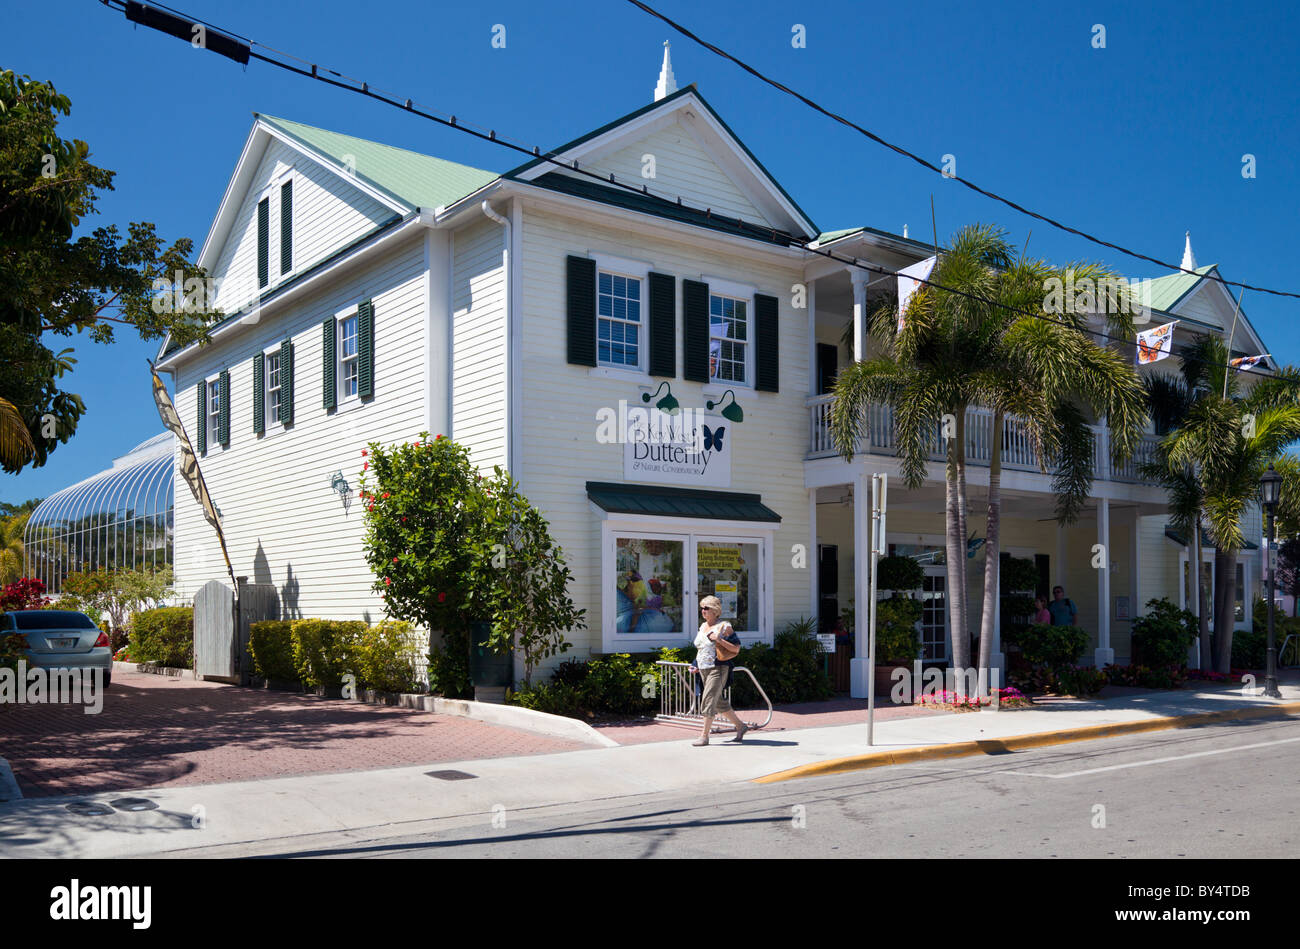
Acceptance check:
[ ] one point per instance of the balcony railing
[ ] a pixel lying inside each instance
(878, 438)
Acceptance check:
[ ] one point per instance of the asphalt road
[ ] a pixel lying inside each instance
(1230, 790)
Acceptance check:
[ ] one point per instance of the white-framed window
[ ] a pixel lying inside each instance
(214, 412)
(654, 572)
(271, 366)
(620, 322)
(729, 339)
(347, 356)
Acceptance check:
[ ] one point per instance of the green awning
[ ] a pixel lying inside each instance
(1179, 539)
(679, 502)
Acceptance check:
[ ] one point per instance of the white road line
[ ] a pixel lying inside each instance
(1141, 764)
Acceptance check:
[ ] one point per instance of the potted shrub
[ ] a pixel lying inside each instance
(897, 641)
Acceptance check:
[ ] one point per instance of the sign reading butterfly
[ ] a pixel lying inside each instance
(684, 450)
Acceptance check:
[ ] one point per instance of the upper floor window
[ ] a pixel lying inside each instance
(273, 387)
(618, 330)
(728, 339)
(348, 363)
(214, 412)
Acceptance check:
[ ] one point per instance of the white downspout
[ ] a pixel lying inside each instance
(509, 322)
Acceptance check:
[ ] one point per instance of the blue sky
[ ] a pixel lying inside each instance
(1137, 142)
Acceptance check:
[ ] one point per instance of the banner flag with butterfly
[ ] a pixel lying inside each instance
(911, 279)
(189, 467)
(1242, 363)
(1155, 344)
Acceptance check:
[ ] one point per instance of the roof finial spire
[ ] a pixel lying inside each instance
(904, 230)
(667, 81)
(1189, 259)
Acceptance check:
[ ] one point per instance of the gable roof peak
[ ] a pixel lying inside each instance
(667, 81)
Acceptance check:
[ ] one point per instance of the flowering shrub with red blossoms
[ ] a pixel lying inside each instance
(448, 547)
(25, 593)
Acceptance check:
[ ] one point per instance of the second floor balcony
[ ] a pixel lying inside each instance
(1018, 453)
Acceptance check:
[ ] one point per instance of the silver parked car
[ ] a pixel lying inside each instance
(61, 639)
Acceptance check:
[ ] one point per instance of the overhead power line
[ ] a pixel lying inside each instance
(236, 47)
(932, 167)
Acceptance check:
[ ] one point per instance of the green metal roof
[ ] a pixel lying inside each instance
(413, 179)
(649, 204)
(679, 502)
(829, 236)
(1179, 539)
(1166, 292)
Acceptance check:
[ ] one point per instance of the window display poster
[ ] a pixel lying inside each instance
(648, 585)
(727, 592)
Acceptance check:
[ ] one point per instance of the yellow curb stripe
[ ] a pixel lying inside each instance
(961, 749)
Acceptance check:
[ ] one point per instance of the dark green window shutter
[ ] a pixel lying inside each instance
(286, 382)
(223, 417)
(767, 363)
(663, 325)
(286, 227)
(366, 350)
(582, 310)
(695, 331)
(259, 393)
(329, 388)
(264, 242)
(202, 432)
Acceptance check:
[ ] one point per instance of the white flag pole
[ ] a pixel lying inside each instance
(1227, 370)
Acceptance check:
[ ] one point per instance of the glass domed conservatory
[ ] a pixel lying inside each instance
(118, 519)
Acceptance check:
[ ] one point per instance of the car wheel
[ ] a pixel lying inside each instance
(108, 680)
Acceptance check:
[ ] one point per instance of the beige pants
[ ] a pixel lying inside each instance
(713, 700)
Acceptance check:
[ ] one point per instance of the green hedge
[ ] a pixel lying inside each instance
(382, 658)
(1162, 635)
(322, 650)
(270, 643)
(164, 635)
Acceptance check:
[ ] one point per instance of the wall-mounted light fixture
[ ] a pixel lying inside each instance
(668, 404)
(340, 483)
(733, 412)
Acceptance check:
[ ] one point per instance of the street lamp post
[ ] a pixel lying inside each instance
(1270, 487)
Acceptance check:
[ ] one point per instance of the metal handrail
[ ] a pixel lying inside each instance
(1281, 652)
(678, 701)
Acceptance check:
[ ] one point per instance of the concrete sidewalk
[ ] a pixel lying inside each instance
(389, 802)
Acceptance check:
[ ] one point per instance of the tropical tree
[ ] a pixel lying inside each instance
(51, 283)
(1227, 439)
(988, 338)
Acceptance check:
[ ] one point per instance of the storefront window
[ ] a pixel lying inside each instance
(729, 571)
(648, 585)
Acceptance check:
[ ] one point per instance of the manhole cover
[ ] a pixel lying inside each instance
(134, 804)
(451, 775)
(89, 808)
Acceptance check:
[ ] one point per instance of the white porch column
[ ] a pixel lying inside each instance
(1104, 654)
(860, 669)
(812, 339)
(1060, 560)
(1134, 575)
(859, 278)
(814, 561)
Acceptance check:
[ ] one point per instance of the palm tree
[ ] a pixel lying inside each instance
(1228, 438)
(1171, 399)
(978, 346)
(16, 446)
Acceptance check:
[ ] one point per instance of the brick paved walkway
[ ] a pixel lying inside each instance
(156, 731)
(840, 711)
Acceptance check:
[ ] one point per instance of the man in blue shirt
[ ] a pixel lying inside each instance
(1062, 609)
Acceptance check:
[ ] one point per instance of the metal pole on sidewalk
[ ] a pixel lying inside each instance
(879, 495)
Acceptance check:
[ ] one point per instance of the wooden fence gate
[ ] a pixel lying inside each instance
(221, 627)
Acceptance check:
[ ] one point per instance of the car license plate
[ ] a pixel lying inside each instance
(64, 643)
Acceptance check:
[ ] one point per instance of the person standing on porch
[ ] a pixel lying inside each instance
(1063, 610)
(1042, 617)
(715, 672)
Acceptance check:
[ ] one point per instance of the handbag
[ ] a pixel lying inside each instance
(728, 647)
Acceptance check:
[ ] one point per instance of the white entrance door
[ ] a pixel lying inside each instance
(934, 614)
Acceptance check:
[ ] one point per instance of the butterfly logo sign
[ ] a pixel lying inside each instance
(713, 438)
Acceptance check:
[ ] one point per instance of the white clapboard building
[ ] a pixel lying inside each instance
(373, 293)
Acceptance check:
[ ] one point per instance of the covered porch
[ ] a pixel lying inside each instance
(1109, 562)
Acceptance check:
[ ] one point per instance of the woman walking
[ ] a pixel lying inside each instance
(716, 672)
